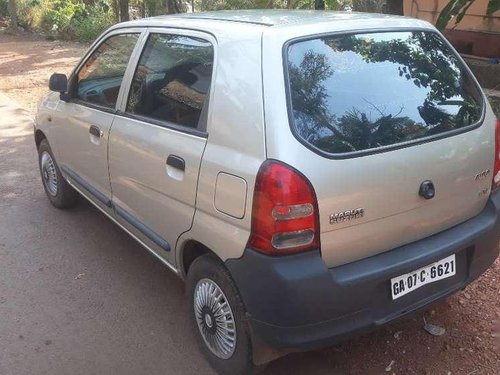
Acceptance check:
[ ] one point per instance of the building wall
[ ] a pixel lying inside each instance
(474, 20)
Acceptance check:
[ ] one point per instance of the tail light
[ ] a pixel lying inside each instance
(285, 216)
(496, 167)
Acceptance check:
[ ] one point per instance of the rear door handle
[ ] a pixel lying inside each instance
(95, 131)
(176, 162)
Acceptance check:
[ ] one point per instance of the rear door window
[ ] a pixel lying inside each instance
(172, 79)
(356, 92)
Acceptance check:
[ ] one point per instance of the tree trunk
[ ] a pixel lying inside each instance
(319, 4)
(13, 15)
(395, 7)
(143, 9)
(124, 16)
(172, 7)
(289, 4)
(116, 10)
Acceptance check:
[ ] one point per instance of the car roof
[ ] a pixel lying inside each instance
(269, 18)
(276, 17)
(250, 24)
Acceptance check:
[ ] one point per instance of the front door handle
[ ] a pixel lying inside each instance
(176, 162)
(95, 131)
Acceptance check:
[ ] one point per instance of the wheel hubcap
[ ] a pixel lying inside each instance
(209, 321)
(49, 174)
(215, 318)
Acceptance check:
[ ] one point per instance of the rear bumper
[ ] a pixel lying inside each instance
(297, 303)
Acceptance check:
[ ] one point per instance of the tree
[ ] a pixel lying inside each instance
(116, 10)
(175, 6)
(13, 15)
(372, 6)
(319, 4)
(171, 7)
(395, 7)
(124, 15)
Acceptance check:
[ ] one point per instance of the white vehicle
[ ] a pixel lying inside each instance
(312, 175)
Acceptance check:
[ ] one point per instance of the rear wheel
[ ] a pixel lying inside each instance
(59, 192)
(218, 317)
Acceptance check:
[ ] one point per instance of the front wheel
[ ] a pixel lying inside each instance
(218, 317)
(59, 192)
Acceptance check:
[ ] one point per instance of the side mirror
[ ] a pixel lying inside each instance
(58, 83)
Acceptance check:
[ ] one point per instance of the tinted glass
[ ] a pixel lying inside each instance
(357, 92)
(172, 79)
(100, 78)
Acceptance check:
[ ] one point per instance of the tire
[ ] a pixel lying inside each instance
(206, 274)
(59, 192)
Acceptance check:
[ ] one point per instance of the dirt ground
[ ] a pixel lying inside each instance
(27, 61)
(469, 317)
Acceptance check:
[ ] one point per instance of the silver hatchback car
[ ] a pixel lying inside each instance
(312, 175)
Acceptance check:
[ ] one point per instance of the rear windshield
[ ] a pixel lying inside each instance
(357, 92)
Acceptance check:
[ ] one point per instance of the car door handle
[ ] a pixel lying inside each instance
(176, 162)
(95, 131)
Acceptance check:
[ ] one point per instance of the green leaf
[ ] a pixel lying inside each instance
(445, 15)
(332, 4)
(451, 9)
(459, 8)
(462, 12)
(493, 6)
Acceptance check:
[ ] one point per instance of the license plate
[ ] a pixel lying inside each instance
(439, 270)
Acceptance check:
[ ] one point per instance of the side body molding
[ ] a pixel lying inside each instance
(137, 224)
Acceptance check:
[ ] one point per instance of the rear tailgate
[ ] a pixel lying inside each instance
(386, 187)
(377, 115)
